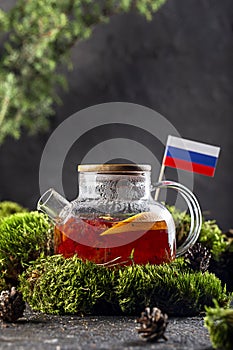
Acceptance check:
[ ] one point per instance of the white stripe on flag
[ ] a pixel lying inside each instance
(193, 146)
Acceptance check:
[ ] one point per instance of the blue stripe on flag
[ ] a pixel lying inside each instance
(191, 156)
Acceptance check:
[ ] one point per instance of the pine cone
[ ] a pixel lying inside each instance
(198, 257)
(12, 305)
(153, 325)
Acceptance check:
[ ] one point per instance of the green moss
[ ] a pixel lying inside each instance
(70, 286)
(23, 237)
(213, 238)
(219, 244)
(7, 208)
(182, 222)
(176, 290)
(219, 322)
(211, 235)
(3, 284)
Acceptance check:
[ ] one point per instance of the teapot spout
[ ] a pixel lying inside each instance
(52, 204)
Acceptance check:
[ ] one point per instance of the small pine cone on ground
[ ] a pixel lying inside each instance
(12, 305)
(152, 324)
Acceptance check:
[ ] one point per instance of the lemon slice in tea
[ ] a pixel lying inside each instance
(140, 222)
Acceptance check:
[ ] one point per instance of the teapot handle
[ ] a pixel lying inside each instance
(194, 209)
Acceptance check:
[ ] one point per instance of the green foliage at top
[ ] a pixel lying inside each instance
(38, 36)
(70, 286)
(23, 237)
(7, 208)
(219, 322)
(211, 235)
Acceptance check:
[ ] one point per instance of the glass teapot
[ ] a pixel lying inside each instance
(115, 220)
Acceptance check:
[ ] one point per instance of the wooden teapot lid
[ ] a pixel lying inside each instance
(114, 168)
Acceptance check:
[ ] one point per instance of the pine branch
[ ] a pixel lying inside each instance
(38, 35)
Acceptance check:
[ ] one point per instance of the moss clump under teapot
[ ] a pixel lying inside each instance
(59, 285)
(25, 236)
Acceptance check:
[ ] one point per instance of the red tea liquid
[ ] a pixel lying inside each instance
(140, 242)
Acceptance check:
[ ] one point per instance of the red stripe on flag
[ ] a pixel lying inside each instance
(185, 165)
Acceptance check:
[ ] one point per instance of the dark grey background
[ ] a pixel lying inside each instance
(179, 64)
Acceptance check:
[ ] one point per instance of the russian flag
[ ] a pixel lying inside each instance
(190, 155)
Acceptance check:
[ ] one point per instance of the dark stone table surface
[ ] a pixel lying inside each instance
(38, 331)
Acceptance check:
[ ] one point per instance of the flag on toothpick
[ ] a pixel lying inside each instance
(190, 155)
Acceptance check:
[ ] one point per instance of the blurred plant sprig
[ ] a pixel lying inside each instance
(8, 207)
(219, 322)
